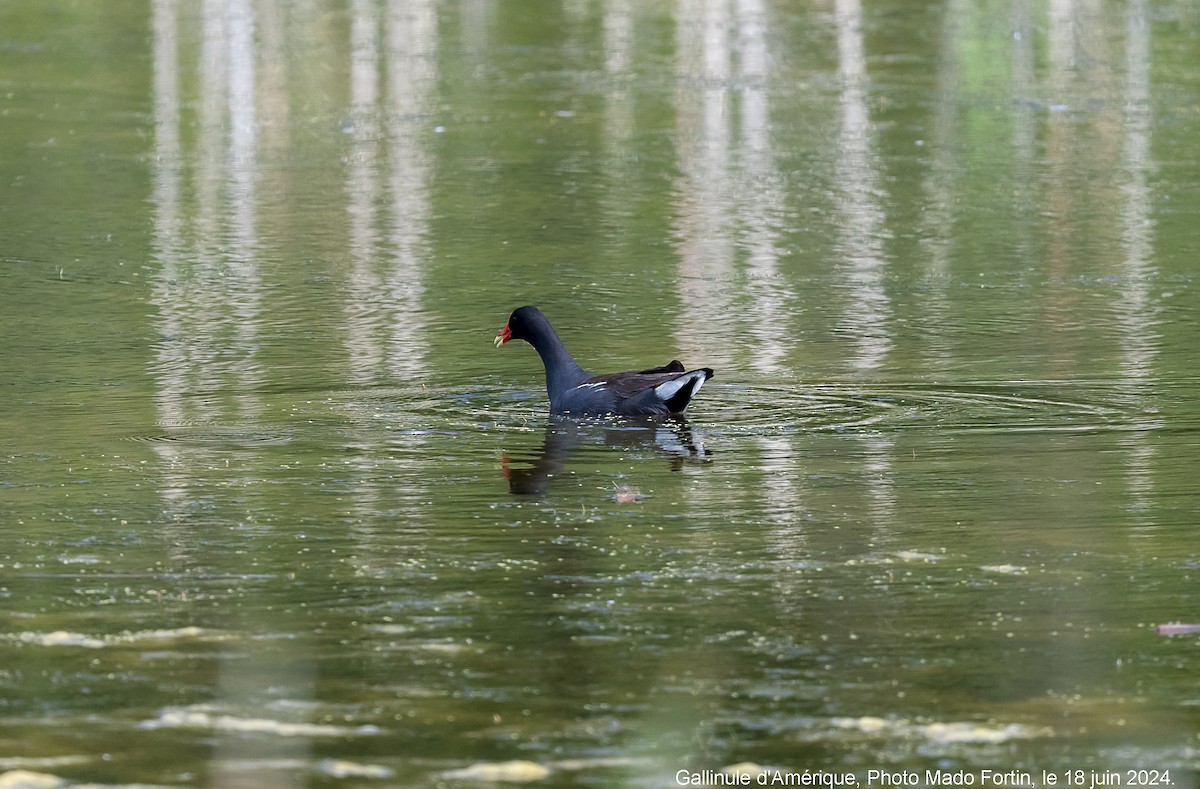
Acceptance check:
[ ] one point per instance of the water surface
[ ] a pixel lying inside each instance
(277, 514)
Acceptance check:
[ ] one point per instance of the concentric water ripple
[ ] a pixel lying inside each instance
(215, 435)
(1020, 407)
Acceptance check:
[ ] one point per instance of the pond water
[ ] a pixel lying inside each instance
(276, 513)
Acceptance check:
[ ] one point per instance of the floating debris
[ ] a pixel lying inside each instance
(627, 494)
(64, 638)
(26, 779)
(1004, 569)
(939, 732)
(193, 718)
(1176, 629)
(967, 732)
(869, 724)
(24, 763)
(339, 768)
(517, 771)
(58, 638)
(918, 556)
(751, 769)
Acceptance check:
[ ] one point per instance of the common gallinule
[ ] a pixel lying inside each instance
(573, 390)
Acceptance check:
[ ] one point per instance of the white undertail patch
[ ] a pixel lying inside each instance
(669, 389)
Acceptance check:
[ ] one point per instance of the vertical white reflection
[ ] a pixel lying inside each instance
(862, 218)
(171, 363)
(704, 210)
(242, 166)
(941, 182)
(1138, 339)
(705, 233)
(208, 293)
(729, 204)
(618, 38)
(618, 102)
(210, 153)
(393, 76)
(862, 231)
(166, 174)
(619, 197)
(1025, 111)
(1060, 134)
(762, 190)
(366, 309)
(365, 315)
(1061, 36)
(239, 676)
(1134, 310)
(731, 187)
(760, 203)
(412, 77)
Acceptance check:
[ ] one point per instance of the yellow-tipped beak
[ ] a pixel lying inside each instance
(498, 341)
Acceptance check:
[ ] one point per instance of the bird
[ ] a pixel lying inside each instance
(658, 390)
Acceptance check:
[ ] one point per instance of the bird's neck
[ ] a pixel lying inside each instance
(562, 372)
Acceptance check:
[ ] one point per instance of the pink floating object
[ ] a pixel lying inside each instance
(1176, 629)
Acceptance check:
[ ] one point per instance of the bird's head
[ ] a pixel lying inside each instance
(519, 325)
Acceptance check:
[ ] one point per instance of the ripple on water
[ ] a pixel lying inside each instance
(212, 434)
(431, 414)
(992, 407)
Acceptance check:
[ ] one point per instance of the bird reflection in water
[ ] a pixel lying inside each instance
(670, 435)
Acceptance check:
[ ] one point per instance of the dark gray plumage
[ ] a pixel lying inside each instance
(573, 390)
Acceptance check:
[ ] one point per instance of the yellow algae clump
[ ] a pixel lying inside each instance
(26, 779)
(517, 771)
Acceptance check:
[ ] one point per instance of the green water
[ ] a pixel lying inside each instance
(276, 513)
